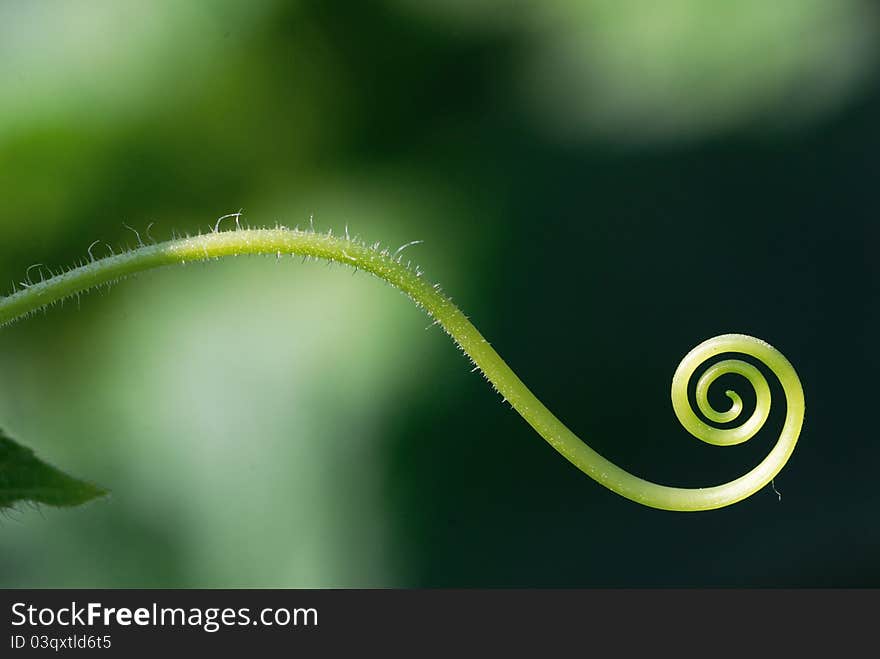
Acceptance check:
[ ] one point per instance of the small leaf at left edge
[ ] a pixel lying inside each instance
(24, 477)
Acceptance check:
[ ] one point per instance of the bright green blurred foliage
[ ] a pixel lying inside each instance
(250, 441)
(641, 71)
(240, 433)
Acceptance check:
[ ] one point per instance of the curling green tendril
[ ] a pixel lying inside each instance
(390, 267)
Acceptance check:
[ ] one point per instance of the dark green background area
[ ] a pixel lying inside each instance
(264, 424)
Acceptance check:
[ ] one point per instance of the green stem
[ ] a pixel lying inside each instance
(389, 267)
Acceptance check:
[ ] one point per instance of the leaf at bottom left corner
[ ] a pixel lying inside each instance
(26, 478)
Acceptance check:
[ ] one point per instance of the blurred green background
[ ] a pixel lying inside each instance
(600, 185)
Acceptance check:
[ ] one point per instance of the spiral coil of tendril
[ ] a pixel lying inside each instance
(764, 472)
(685, 499)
